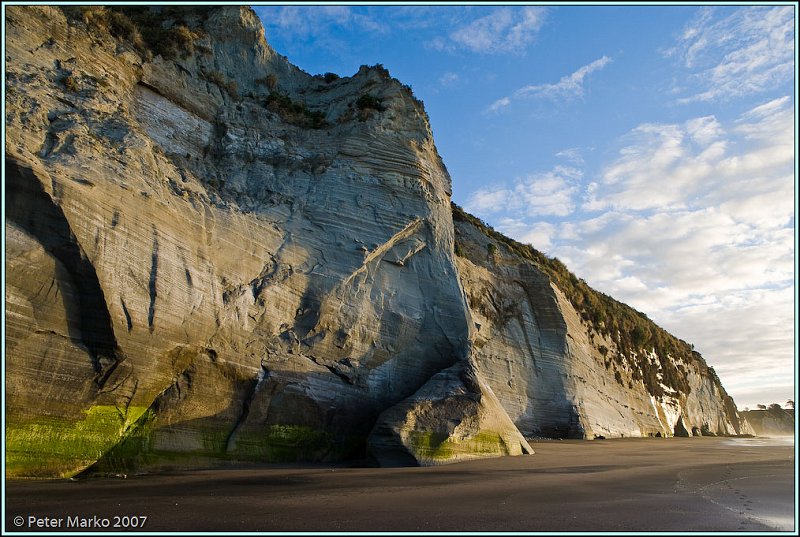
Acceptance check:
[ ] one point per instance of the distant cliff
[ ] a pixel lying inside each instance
(774, 421)
(212, 256)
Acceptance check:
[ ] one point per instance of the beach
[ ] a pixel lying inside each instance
(652, 484)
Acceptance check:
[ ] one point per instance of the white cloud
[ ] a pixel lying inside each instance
(571, 155)
(437, 43)
(448, 79)
(746, 341)
(545, 194)
(498, 104)
(767, 121)
(569, 86)
(540, 233)
(652, 171)
(672, 166)
(745, 52)
(704, 130)
(411, 17)
(488, 201)
(315, 22)
(767, 110)
(503, 30)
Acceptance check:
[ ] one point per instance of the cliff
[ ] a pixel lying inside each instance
(212, 255)
(770, 422)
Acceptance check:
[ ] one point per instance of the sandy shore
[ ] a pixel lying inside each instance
(676, 484)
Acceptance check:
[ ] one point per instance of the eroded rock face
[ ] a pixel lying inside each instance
(212, 255)
(770, 422)
(553, 372)
(453, 417)
(205, 254)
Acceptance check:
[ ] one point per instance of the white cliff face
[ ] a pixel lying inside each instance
(215, 255)
(307, 273)
(770, 422)
(552, 371)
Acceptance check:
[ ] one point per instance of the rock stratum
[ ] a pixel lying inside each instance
(212, 255)
(774, 421)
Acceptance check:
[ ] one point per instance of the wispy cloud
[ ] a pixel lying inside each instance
(745, 52)
(448, 79)
(571, 155)
(502, 30)
(568, 87)
(691, 222)
(499, 104)
(305, 22)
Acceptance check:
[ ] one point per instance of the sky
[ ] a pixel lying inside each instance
(650, 148)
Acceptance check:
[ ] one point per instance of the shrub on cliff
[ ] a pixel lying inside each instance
(383, 71)
(70, 83)
(175, 39)
(140, 27)
(369, 102)
(217, 78)
(294, 112)
(270, 81)
(776, 409)
(170, 43)
(102, 20)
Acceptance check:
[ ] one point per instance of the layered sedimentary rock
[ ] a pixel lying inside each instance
(213, 255)
(556, 373)
(455, 416)
(774, 421)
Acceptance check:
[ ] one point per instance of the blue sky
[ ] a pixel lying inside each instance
(651, 148)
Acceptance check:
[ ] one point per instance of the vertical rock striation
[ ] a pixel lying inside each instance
(774, 421)
(213, 255)
(558, 372)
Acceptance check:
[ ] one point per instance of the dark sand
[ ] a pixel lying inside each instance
(676, 484)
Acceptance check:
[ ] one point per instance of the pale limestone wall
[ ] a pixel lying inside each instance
(544, 363)
(209, 278)
(308, 273)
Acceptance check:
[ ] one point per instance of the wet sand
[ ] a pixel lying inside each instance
(676, 484)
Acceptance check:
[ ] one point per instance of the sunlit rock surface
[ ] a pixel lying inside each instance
(454, 416)
(212, 255)
(553, 373)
